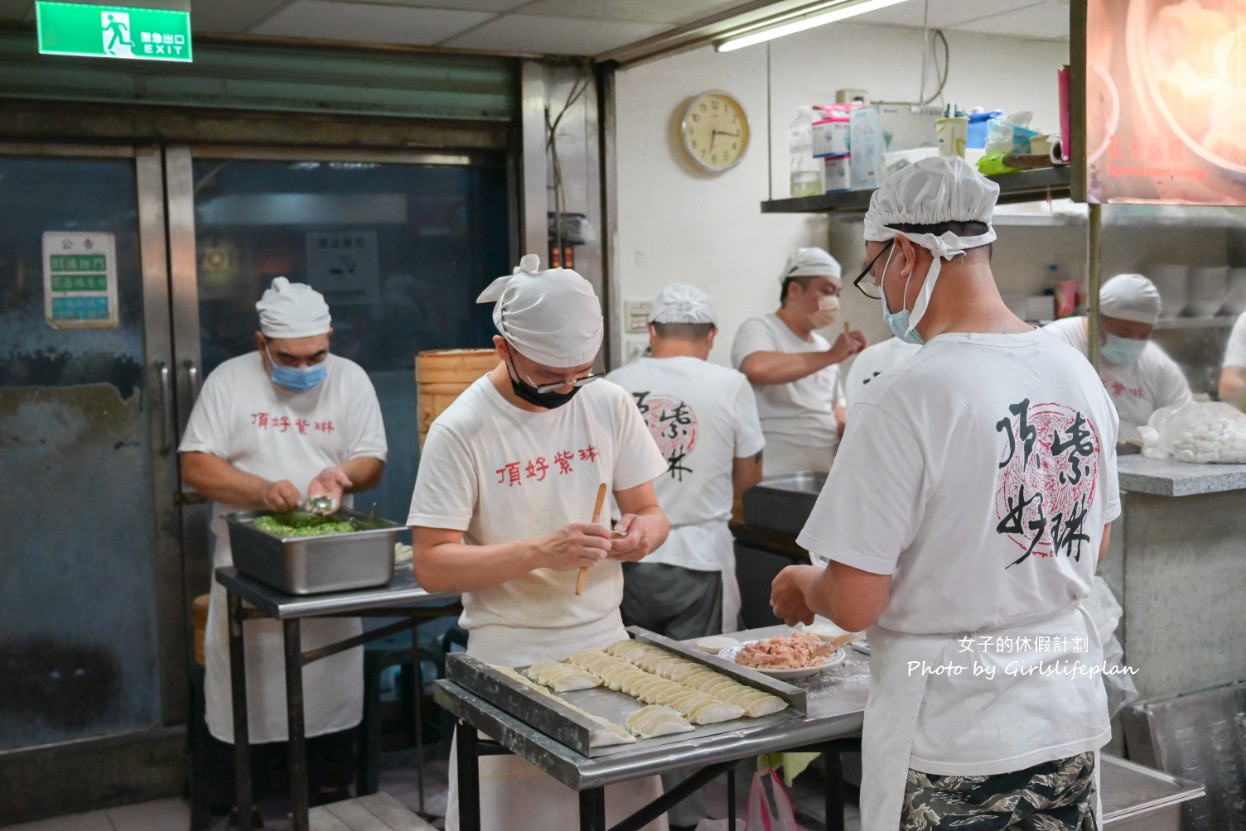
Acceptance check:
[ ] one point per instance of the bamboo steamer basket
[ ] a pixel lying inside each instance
(441, 375)
(199, 622)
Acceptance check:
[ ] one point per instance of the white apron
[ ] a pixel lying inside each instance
(891, 719)
(731, 591)
(515, 795)
(782, 456)
(332, 687)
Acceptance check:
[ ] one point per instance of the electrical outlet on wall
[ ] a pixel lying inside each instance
(638, 316)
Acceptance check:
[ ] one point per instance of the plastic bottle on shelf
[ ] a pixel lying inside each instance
(806, 175)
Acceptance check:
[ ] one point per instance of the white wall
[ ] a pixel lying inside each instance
(678, 224)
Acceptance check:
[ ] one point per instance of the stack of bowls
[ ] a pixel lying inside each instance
(1171, 280)
(1235, 301)
(1206, 290)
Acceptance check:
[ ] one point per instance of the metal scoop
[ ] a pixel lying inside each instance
(323, 505)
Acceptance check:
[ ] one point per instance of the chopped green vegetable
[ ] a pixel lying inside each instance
(300, 524)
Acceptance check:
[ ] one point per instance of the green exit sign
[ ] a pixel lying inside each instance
(113, 31)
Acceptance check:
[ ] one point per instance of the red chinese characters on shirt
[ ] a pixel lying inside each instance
(280, 423)
(1118, 390)
(515, 473)
(1048, 472)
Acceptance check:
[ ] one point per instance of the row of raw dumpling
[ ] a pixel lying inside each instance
(620, 675)
(646, 722)
(561, 677)
(610, 733)
(689, 673)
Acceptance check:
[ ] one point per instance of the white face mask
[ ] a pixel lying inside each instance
(828, 309)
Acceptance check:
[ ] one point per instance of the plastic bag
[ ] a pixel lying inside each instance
(1105, 611)
(1201, 431)
(773, 812)
(1009, 134)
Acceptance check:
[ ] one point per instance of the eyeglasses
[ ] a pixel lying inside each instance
(867, 286)
(577, 382)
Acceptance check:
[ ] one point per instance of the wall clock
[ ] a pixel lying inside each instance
(714, 131)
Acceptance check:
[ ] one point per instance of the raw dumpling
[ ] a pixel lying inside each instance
(561, 677)
(656, 720)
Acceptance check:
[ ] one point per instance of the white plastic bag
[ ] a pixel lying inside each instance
(1105, 611)
(766, 812)
(1202, 432)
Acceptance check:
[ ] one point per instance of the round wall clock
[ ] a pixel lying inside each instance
(714, 131)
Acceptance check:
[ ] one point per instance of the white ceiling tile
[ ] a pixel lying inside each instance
(942, 14)
(1047, 21)
(553, 35)
(643, 11)
(368, 22)
(496, 6)
(231, 17)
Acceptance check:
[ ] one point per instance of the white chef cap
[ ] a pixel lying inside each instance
(682, 303)
(1130, 297)
(552, 317)
(810, 262)
(293, 310)
(932, 191)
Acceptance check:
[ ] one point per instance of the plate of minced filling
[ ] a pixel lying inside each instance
(797, 655)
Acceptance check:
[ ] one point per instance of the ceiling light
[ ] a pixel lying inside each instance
(846, 9)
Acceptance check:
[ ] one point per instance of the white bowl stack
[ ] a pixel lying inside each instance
(1235, 300)
(1206, 291)
(1171, 280)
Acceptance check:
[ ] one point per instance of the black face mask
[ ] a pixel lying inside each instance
(529, 393)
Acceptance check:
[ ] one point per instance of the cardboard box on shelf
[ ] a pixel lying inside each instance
(838, 175)
(831, 136)
(906, 126)
(867, 149)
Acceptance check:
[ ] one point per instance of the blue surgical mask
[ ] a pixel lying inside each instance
(1122, 351)
(897, 322)
(297, 379)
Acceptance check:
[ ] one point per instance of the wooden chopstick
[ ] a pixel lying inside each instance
(601, 501)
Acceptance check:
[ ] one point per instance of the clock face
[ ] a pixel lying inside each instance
(715, 131)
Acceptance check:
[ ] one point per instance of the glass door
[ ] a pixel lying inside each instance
(400, 244)
(89, 563)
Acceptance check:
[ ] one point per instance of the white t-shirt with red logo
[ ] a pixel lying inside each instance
(498, 473)
(979, 475)
(702, 416)
(801, 411)
(1137, 389)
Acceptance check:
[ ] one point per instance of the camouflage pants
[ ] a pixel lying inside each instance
(1052, 796)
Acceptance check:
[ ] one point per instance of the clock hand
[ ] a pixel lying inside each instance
(724, 133)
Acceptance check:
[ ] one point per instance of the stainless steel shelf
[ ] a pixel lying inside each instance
(1025, 186)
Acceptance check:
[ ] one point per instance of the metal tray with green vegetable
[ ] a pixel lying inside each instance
(302, 553)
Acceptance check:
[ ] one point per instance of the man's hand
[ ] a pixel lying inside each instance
(329, 482)
(787, 594)
(578, 545)
(634, 544)
(847, 345)
(281, 496)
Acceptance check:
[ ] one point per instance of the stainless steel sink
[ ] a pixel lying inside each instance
(782, 503)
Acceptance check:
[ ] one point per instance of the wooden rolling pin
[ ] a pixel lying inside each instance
(601, 501)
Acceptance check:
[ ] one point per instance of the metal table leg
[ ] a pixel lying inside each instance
(469, 776)
(238, 689)
(298, 743)
(731, 797)
(593, 809)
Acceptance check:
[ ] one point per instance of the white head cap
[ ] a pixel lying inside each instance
(682, 303)
(1130, 297)
(932, 191)
(293, 310)
(810, 262)
(552, 317)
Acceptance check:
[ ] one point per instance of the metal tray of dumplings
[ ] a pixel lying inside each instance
(548, 714)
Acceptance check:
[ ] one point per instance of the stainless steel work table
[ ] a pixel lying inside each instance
(836, 708)
(249, 599)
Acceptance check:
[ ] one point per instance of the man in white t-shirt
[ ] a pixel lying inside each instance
(1233, 371)
(270, 430)
(704, 420)
(967, 509)
(1138, 374)
(503, 506)
(873, 361)
(794, 370)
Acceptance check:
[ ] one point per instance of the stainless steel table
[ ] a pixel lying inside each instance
(836, 709)
(249, 599)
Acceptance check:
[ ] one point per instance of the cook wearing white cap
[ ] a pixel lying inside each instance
(502, 510)
(703, 418)
(269, 430)
(1137, 372)
(960, 526)
(794, 369)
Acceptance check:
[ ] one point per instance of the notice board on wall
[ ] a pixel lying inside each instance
(1166, 101)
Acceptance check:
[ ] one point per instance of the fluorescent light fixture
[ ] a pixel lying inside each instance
(811, 20)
